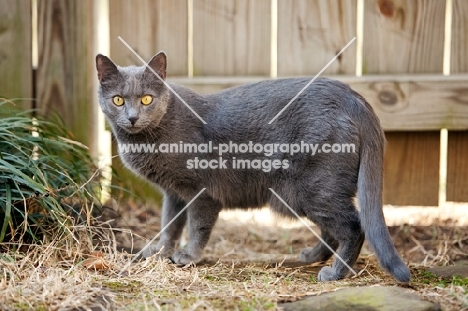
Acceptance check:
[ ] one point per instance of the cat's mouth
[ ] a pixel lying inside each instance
(132, 129)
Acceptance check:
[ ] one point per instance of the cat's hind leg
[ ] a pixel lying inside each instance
(320, 252)
(350, 237)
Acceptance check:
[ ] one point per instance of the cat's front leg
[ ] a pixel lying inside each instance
(165, 247)
(202, 216)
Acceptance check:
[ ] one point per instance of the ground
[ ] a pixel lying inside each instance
(249, 264)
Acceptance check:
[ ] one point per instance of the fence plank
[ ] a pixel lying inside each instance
(150, 26)
(15, 54)
(409, 102)
(459, 61)
(418, 105)
(231, 37)
(66, 67)
(407, 37)
(403, 36)
(457, 157)
(410, 170)
(457, 166)
(311, 33)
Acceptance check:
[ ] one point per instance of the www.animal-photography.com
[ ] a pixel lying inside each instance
(233, 155)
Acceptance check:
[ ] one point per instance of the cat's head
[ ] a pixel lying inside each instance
(133, 98)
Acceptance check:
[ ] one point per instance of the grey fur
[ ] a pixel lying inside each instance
(319, 187)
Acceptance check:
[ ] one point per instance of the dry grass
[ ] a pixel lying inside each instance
(247, 266)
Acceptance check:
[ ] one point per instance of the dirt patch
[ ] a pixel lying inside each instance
(247, 266)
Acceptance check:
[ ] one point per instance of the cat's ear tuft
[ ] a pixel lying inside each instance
(105, 67)
(158, 63)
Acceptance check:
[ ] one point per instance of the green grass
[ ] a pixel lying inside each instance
(46, 178)
(427, 277)
(454, 281)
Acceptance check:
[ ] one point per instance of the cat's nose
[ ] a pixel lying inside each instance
(133, 119)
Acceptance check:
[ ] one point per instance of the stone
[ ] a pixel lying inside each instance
(460, 269)
(373, 298)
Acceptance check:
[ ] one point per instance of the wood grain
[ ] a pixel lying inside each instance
(403, 103)
(150, 26)
(457, 166)
(457, 157)
(311, 33)
(66, 66)
(418, 105)
(15, 53)
(411, 169)
(407, 37)
(403, 36)
(231, 37)
(459, 51)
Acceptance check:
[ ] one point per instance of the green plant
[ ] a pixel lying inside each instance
(47, 180)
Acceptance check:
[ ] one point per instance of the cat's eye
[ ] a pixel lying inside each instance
(147, 99)
(118, 100)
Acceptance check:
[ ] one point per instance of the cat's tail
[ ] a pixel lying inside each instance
(369, 195)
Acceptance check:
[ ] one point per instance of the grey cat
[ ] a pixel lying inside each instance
(142, 110)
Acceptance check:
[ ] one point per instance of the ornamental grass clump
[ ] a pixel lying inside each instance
(48, 182)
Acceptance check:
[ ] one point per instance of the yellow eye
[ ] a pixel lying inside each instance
(147, 99)
(118, 100)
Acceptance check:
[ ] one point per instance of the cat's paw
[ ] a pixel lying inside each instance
(312, 254)
(182, 257)
(159, 251)
(305, 254)
(328, 274)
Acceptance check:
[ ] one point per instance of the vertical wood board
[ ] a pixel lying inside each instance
(402, 36)
(231, 37)
(457, 166)
(459, 48)
(411, 168)
(407, 37)
(311, 33)
(150, 26)
(65, 70)
(457, 157)
(15, 52)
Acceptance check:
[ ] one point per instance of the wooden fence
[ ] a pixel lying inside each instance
(409, 60)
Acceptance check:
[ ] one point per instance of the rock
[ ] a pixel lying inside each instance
(385, 298)
(460, 269)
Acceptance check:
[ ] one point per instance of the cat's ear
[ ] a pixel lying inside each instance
(106, 68)
(158, 63)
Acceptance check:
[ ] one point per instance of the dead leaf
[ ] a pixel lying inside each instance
(96, 261)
